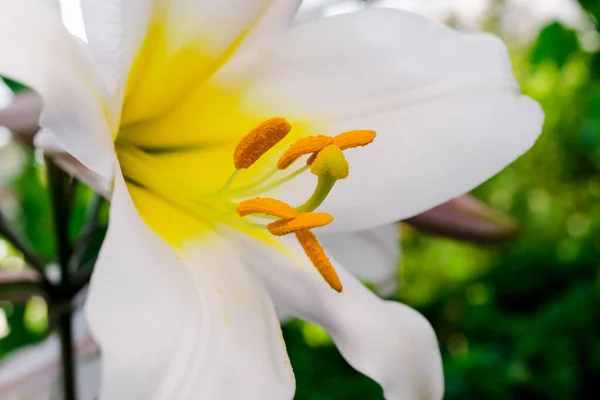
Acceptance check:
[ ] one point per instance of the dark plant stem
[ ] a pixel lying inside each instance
(83, 270)
(90, 222)
(31, 258)
(79, 280)
(65, 329)
(93, 211)
(61, 191)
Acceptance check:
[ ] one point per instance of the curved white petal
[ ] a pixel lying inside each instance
(181, 325)
(447, 109)
(22, 114)
(388, 341)
(38, 51)
(46, 141)
(117, 30)
(35, 372)
(371, 255)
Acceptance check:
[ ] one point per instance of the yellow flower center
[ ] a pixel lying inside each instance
(181, 122)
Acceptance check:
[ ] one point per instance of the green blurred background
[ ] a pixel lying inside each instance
(516, 321)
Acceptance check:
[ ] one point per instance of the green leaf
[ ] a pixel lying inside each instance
(591, 6)
(555, 43)
(35, 218)
(19, 335)
(15, 86)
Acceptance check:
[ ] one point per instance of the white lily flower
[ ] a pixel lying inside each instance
(181, 301)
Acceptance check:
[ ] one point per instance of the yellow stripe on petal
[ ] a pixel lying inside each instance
(185, 43)
(170, 221)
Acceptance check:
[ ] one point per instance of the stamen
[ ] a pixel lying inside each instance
(312, 158)
(228, 183)
(319, 259)
(259, 140)
(355, 138)
(348, 140)
(260, 205)
(301, 147)
(298, 223)
(265, 188)
(254, 184)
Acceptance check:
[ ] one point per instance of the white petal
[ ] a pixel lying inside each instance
(371, 255)
(38, 51)
(22, 114)
(388, 341)
(47, 141)
(181, 325)
(35, 372)
(117, 29)
(447, 109)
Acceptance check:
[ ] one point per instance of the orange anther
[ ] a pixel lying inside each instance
(356, 138)
(259, 140)
(300, 222)
(273, 207)
(348, 140)
(312, 158)
(314, 251)
(303, 146)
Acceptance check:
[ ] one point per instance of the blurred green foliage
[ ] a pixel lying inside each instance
(29, 322)
(518, 321)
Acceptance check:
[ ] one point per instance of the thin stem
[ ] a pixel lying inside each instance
(61, 190)
(31, 258)
(20, 291)
(65, 329)
(90, 225)
(93, 211)
(83, 270)
(270, 186)
(79, 280)
(229, 182)
(256, 183)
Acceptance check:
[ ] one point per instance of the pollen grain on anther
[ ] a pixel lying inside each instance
(300, 224)
(356, 138)
(344, 141)
(303, 221)
(259, 140)
(303, 146)
(319, 259)
(262, 205)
